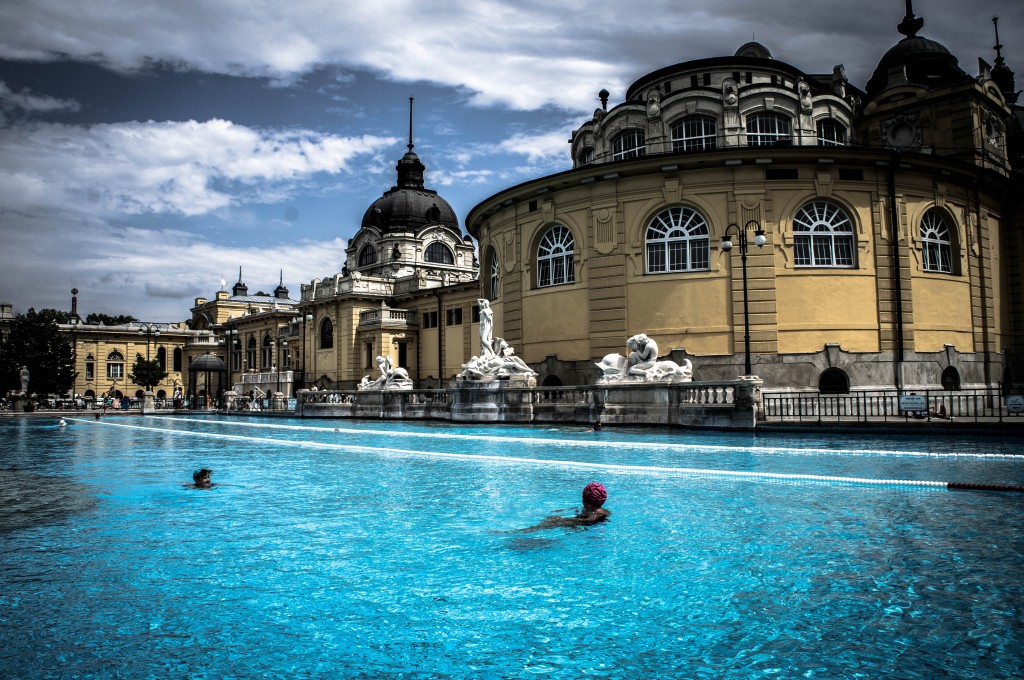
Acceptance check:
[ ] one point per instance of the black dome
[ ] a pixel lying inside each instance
(409, 206)
(927, 63)
(207, 362)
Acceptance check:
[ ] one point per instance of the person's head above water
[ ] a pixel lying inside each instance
(202, 477)
(594, 494)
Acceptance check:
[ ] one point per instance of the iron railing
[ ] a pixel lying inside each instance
(973, 405)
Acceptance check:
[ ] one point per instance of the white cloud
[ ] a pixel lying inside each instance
(186, 168)
(29, 102)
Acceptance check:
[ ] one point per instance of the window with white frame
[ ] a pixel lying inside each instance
(267, 352)
(677, 240)
(936, 244)
(555, 257)
(630, 144)
(439, 253)
(822, 236)
(831, 132)
(492, 274)
(694, 133)
(767, 129)
(250, 354)
(90, 367)
(367, 256)
(115, 365)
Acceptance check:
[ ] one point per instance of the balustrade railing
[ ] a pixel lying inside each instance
(975, 405)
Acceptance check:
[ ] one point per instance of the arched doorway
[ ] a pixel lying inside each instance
(833, 381)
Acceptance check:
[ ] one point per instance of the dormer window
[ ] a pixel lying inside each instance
(768, 129)
(367, 256)
(831, 133)
(439, 253)
(630, 144)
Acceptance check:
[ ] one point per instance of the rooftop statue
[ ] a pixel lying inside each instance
(391, 377)
(642, 365)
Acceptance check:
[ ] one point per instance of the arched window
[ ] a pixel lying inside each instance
(267, 353)
(950, 378)
(555, 257)
(493, 271)
(630, 144)
(586, 156)
(833, 381)
(694, 133)
(439, 253)
(767, 129)
(250, 353)
(936, 244)
(90, 367)
(433, 214)
(367, 256)
(831, 132)
(177, 359)
(326, 334)
(115, 365)
(677, 241)
(822, 236)
(161, 357)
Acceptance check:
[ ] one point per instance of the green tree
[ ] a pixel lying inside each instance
(147, 373)
(36, 342)
(108, 320)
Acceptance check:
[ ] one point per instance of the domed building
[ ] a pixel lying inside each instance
(758, 219)
(407, 291)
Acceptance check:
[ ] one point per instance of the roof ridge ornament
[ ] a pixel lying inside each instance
(910, 24)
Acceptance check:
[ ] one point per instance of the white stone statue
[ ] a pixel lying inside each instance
(486, 327)
(391, 377)
(502, 363)
(24, 379)
(642, 365)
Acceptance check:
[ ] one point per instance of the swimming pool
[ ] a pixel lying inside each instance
(341, 549)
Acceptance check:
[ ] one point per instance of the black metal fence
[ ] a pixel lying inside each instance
(979, 405)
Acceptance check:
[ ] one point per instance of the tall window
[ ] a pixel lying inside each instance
(555, 257)
(677, 241)
(267, 358)
(831, 132)
(440, 253)
(767, 129)
(367, 256)
(694, 133)
(90, 367)
(236, 354)
(492, 274)
(250, 353)
(630, 144)
(115, 365)
(177, 359)
(326, 334)
(161, 357)
(936, 245)
(822, 236)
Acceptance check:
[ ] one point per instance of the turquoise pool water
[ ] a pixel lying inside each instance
(333, 549)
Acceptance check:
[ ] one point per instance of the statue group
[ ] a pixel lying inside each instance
(391, 377)
(497, 359)
(642, 365)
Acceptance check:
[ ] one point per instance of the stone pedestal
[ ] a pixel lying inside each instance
(148, 403)
(491, 401)
(21, 403)
(278, 402)
(230, 398)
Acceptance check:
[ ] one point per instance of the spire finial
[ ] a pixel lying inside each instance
(997, 47)
(910, 24)
(281, 282)
(239, 273)
(410, 124)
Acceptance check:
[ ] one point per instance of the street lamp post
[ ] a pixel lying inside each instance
(305, 322)
(759, 240)
(149, 330)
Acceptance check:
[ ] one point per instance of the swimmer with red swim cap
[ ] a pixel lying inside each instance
(594, 496)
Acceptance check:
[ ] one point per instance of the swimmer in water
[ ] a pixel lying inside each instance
(594, 496)
(61, 423)
(201, 479)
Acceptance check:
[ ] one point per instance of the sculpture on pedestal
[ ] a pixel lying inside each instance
(24, 379)
(391, 377)
(642, 365)
(497, 359)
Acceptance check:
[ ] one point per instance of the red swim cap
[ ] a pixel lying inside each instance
(594, 494)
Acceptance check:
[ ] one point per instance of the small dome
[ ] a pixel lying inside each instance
(928, 64)
(207, 362)
(754, 50)
(408, 206)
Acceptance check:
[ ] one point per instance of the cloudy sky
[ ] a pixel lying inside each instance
(150, 148)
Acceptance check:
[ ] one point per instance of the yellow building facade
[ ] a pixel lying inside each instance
(890, 219)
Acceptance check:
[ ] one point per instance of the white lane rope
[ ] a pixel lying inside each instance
(609, 467)
(598, 443)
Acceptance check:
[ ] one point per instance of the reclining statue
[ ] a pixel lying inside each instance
(642, 365)
(391, 377)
